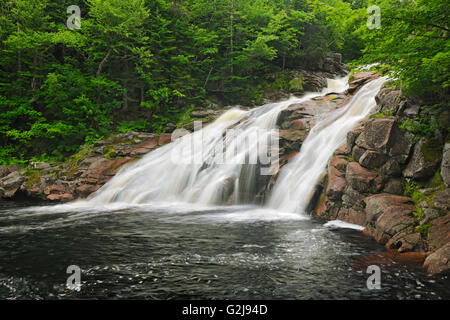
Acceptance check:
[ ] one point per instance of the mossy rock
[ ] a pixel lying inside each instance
(432, 150)
(296, 84)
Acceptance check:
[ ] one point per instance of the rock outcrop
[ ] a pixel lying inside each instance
(370, 174)
(83, 173)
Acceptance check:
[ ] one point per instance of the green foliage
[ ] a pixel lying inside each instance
(410, 188)
(139, 125)
(420, 127)
(413, 42)
(141, 64)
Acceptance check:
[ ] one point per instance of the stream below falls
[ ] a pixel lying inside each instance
(179, 251)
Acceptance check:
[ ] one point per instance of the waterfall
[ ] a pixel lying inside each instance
(295, 184)
(217, 164)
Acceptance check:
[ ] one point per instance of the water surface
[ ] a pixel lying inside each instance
(180, 251)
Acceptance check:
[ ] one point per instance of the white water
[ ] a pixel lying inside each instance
(195, 168)
(295, 184)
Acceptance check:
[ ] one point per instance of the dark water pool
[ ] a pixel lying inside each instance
(181, 252)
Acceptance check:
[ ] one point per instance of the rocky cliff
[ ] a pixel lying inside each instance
(394, 182)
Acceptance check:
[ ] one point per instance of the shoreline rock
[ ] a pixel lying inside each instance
(379, 163)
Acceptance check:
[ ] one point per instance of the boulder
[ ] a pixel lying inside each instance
(372, 159)
(388, 100)
(441, 200)
(378, 204)
(6, 170)
(424, 160)
(361, 179)
(376, 134)
(438, 261)
(394, 186)
(439, 233)
(391, 168)
(11, 183)
(336, 183)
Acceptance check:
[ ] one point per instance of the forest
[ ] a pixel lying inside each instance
(142, 64)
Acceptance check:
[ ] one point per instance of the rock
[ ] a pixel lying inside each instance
(65, 197)
(6, 170)
(445, 165)
(389, 220)
(359, 79)
(424, 160)
(336, 183)
(438, 261)
(353, 199)
(388, 100)
(352, 135)
(361, 179)
(11, 183)
(439, 233)
(376, 134)
(202, 113)
(378, 204)
(441, 200)
(394, 186)
(400, 144)
(333, 64)
(391, 168)
(372, 159)
(357, 153)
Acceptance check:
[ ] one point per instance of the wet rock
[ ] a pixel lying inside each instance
(438, 261)
(336, 178)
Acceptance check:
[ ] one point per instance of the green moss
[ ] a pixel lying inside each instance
(436, 181)
(424, 230)
(34, 177)
(296, 84)
(432, 149)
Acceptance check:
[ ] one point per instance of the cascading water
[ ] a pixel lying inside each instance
(208, 166)
(294, 187)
